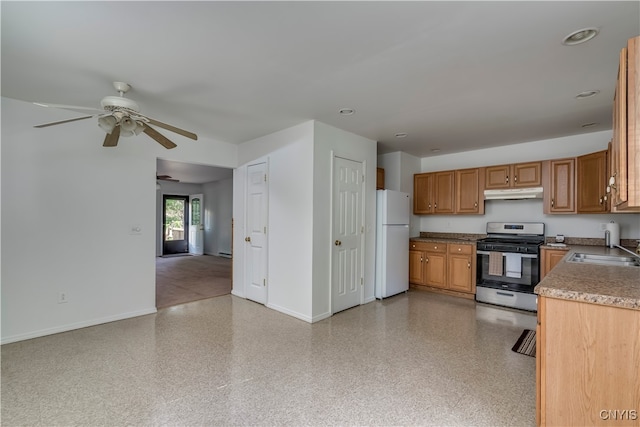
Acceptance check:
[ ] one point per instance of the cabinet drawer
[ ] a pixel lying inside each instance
(428, 246)
(455, 248)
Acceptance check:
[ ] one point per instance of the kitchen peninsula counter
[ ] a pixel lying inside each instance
(588, 342)
(592, 283)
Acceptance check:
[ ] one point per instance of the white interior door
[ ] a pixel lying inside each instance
(196, 224)
(346, 266)
(256, 239)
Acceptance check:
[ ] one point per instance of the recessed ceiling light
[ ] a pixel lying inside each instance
(347, 111)
(589, 125)
(435, 150)
(401, 135)
(587, 94)
(580, 36)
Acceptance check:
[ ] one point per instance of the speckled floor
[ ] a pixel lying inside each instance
(413, 359)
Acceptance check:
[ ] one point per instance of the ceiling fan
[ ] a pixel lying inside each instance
(166, 178)
(121, 116)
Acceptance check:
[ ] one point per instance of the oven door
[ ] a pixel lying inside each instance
(519, 272)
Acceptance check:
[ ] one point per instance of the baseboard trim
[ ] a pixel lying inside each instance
(77, 325)
(290, 312)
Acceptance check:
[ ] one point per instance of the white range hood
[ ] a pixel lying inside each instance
(514, 194)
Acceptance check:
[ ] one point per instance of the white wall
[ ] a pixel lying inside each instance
(290, 217)
(68, 205)
(299, 230)
(329, 142)
(218, 211)
(583, 225)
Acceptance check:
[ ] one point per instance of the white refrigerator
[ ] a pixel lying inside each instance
(392, 243)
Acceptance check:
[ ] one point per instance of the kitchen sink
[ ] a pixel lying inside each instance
(625, 261)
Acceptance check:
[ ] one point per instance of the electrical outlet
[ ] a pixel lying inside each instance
(62, 297)
(603, 226)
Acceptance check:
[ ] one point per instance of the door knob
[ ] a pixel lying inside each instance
(338, 243)
(247, 239)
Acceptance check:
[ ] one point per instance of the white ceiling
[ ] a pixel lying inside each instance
(454, 76)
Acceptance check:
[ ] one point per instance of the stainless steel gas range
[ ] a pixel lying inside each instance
(508, 264)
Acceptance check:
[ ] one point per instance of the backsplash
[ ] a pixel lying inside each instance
(585, 241)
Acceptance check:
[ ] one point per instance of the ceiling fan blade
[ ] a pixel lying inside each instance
(161, 139)
(173, 129)
(44, 125)
(75, 108)
(111, 140)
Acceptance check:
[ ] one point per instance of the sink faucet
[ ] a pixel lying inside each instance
(628, 251)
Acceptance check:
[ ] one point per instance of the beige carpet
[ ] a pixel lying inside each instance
(190, 278)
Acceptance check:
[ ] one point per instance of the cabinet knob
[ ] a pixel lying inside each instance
(552, 202)
(426, 260)
(459, 249)
(413, 246)
(435, 247)
(475, 205)
(601, 200)
(468, 265)
(507, 181)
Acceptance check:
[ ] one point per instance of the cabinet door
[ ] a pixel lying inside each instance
(436, 269)
(379, 179)
(550, 258)
(443, 186)
(526, 175)
(416, 267)
(497, 177)
(591, 181)
(560, 195)
(460, 273)
(468, 191)
(423, 193)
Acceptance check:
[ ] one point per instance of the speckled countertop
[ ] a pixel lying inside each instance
(597, 284)
(448, 237)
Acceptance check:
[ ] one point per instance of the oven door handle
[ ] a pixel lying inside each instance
(522, 255)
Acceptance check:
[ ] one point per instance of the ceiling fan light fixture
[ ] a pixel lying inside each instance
(127, 125)
(107, 123)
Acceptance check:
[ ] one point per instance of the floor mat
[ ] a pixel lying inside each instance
(526, 344)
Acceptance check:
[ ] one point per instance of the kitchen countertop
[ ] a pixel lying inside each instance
(592, 283)
(443, 240)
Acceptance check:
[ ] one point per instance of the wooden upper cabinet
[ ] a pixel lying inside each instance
(469, 189)
(559, 186)
(625, 147)
(443, 189)
(519, 175)
(433, 193)
(379, 179)
(591, 183)
(423, 193)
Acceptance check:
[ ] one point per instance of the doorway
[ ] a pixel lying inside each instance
(175, 217)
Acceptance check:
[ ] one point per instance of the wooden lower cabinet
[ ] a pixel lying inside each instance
(416, 267)
(588, 364)
(549, 258)
(435, 269)
(462, 267)
(449, 268)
